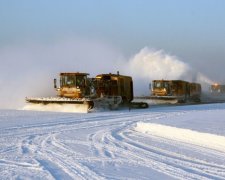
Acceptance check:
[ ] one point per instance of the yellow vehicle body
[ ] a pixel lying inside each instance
(117, 90)
(195, 92)
(114, 85)
(74, 85)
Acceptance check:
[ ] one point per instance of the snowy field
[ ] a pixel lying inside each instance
(185, 142)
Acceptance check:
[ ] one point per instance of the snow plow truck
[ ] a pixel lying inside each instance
(217, 89)
(175, 91)
(82, 93)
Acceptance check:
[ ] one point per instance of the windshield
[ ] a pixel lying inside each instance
(73, 80)
(215, 87)
(161, 84)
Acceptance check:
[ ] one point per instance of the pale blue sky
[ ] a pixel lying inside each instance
(193, 30)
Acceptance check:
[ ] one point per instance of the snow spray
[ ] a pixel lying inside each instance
(149, 64)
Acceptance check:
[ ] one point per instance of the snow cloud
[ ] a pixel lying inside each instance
(149, 64)
(157, 65)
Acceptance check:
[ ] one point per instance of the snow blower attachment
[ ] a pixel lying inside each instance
(73, 95)
(115, 90)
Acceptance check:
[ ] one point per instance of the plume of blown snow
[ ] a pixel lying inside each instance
(157, 65)
(202, 78)
(149, 64)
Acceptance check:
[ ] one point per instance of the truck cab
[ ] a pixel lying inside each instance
(73, 85)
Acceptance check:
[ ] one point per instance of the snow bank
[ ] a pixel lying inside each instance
(211, 141)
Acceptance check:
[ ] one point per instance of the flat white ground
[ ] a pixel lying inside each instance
(176, 142)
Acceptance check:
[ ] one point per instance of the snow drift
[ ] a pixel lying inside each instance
(207, 140)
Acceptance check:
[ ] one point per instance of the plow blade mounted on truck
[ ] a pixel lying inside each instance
(73, 95)
(58, 104)
(78, 93)
(175, 91)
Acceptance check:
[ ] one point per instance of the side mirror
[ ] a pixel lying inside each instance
(150, 86)
(55, 83)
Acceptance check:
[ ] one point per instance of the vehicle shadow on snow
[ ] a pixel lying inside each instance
(192, 107)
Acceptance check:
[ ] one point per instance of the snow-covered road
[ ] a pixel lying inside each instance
(114, 145)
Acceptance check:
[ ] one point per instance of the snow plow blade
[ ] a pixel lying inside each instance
(164, 99)
(139, 105)
(82, 105)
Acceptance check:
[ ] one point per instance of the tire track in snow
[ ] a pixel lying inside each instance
(51, 158)
(49, 146)
(199, 167)
(33, 141)
(108, 143)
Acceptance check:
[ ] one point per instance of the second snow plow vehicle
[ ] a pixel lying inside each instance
(82, 93)
(175, 91)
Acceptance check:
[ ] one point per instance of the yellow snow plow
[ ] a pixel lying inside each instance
(78, 93)
(73, 95)
(175, 91)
